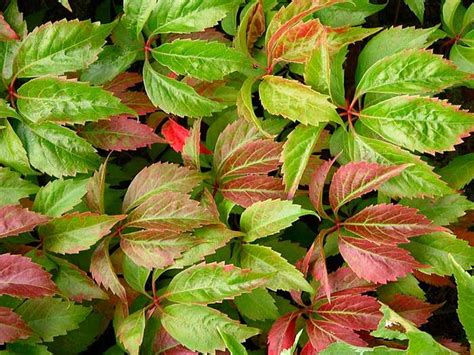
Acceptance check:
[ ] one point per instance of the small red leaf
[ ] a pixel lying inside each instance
(176, 136)
(282, 334)
(20, 277)
(122, 82)
(15, 219)
(12, 327)
(316, 186)
(412, 308)
(6, 32)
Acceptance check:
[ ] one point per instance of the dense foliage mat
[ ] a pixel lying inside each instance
(281, 177)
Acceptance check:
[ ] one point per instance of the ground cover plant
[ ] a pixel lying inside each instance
(263, 176)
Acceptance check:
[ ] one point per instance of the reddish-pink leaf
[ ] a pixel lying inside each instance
(390, 224)
(282, 334)
(308, 349)
(316, 186)
(344, 281)
(164, 344)
(376, 263)
(15, 219)
(358, 178)
(323, 333)
(119, 133)
(12, 327)
(6, 32)
(352, 311)
(176, 135)
(454, 346)
(122, 82)
(412, 308)
(247, 190)
(20, 277)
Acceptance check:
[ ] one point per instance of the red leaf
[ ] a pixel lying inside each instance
(165, 344)
(323, 333)
(20, 277)
(15, 219)
(119, 133)
(376, 263)
(353, 180)
(12, 327)
(390, 224)
(316, 186)
(247, 190)
(308, 349)
(352, 311)
(344, 281)
(176, 136)
(137, 101)
(412, 308)
(6, 32)
(454, 346)
(282, 334)
(122, 82)
(433, 279)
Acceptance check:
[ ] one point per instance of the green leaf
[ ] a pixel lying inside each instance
(75, 232)
(135, 275)
(409, 72)
(65, 3)
(463, 57)
(459, 172)
(200, 59)
(173, 96)
(344, 348)
(296, 101)
(433, 250)
(234, 347)
(210, 283)
(12, 152)
(465, 288)
(49, 317)
(131, 331)
(296, 153)
(351, 13)
(269, 217)
(184, 16)
(407, 285)
(418, 123)
(60, 47)
(57, 150)
(136, 13)
(66, 101)
(13, 187)
(257, 305)
(417, 7)
(59, 196)
(265, 260)
(196, 327)
(452, 14)
(6, 111)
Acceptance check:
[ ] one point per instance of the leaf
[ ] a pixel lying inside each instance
(211, 283)
(94, 198)
(12, 152)
(131, 332)
(60, 47)
(177, 135)
(433, 249)
(200, 59)
(158, 178)
(269, 217)
(341, 348)
(413, 309)
(322, 333)
(13, 187)
(232, 344)
(409, 72)
(196, 327)
(66, 101)
(450, 13)
(135, 275)
(251, 27)
(6, 32)
(349, 13)
(282, 334)
(389, 224)
(257, 305)
(295, 101)
(297, 151)
(459, 171)
(118, 134)
(51, 317)
(75, 232)
(184, 16)
(376, 263)
(16, 219)
(59, 196)
(417, 7)
(12, 326)
(57, 150)
(316, 186)
(344, 281)
(136, 14)
(171, 211)
(247, 190)
(245, 106)
(421, 124)
(103, 272)
(354, 180)
(176, 97)
(193, 146)
(20, 277)
(265, 260)
(6, 110)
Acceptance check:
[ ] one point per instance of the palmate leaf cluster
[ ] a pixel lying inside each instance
(250, 176)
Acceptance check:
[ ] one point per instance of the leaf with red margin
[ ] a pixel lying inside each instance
(282, 334)
(176, 136)
(20, 277)
(352, 311)
(164, 344)
(412, 308)
(12, 326)
(376, 263)
(355, 179)
(390, 224)
(247, 190)
(6, 32)
(119, 133)
(322, 333)
(122, 82)
(15, 219)
(316, 186)
(344, 281)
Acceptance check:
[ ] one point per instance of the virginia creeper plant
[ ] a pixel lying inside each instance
(236, 176)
